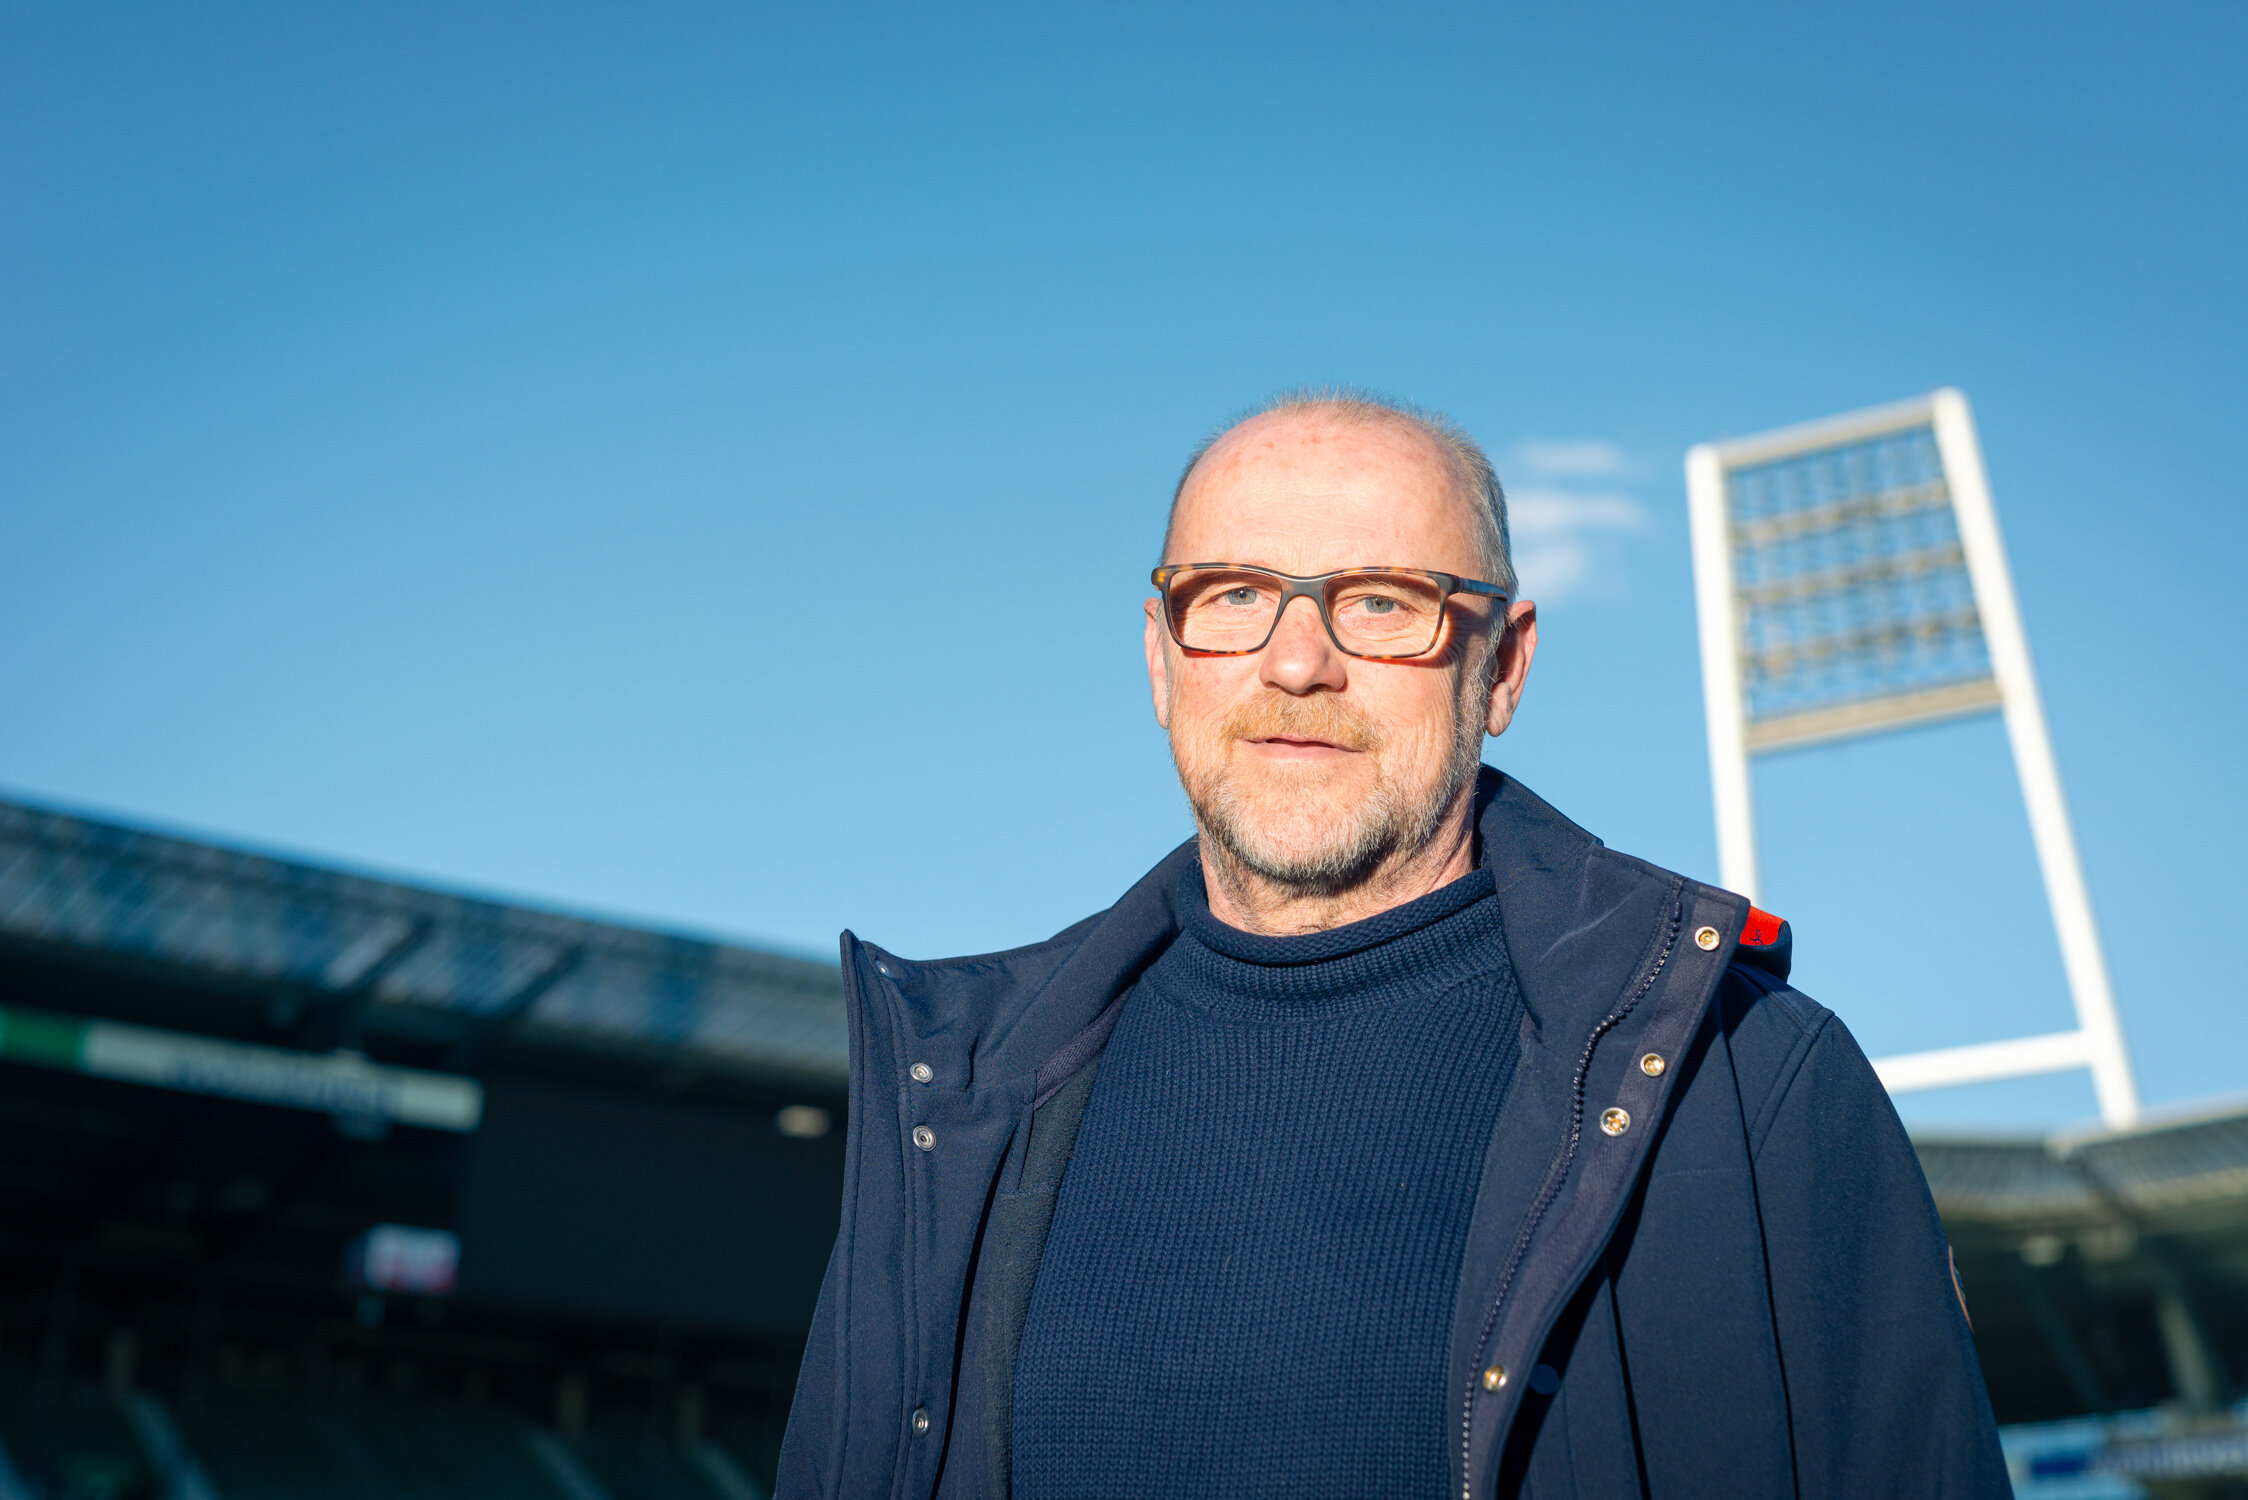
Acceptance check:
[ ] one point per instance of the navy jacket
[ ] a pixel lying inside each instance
(1703, 1259)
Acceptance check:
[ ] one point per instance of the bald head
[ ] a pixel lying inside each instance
(1311, 422)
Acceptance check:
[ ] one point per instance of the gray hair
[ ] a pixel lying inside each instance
(1358, 408)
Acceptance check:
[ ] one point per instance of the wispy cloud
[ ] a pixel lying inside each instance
(1566, 531)
(1584, 459)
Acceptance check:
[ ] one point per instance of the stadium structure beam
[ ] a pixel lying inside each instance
(2197, 1372)
(2061, 1342)
(1722, 701)
(2024, 713)
(349, 1000)
(477, 1046)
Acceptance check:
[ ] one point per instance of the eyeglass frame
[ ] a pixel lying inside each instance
(1314, 587)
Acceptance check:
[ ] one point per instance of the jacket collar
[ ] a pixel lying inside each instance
(1576, 917)
(1579, 917)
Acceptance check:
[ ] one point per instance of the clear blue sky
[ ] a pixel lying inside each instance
(573, 453)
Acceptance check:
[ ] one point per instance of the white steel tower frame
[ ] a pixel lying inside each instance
(1837, 577)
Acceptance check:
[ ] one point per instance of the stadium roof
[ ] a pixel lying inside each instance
(2166, 1174)
(457, 974)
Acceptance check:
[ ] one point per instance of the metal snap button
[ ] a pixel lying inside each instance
(1706, 939)
(1652, 1065)
(921, 1421)
(924, 1137)
(1615, 1121)
(922, 1072)
(1494, 1378)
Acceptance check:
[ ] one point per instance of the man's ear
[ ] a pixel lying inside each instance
(1510, 666)
(1158, 670)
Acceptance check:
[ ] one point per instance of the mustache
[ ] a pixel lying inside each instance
(1322, 716)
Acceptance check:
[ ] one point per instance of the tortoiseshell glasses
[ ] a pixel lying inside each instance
(1381, 614)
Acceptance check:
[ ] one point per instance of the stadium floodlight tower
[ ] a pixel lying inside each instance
(1850, 579)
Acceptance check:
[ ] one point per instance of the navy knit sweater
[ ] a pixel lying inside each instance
(1248, 1286)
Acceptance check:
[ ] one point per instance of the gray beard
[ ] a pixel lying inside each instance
(1388, 823)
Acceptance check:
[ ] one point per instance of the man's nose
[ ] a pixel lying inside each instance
(1301, 657)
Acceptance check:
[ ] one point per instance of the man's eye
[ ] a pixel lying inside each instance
(1241, 598)
(1376, 604)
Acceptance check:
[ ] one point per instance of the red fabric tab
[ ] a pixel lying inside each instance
(1763, 929)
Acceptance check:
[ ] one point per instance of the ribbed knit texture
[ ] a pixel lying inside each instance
(1248, 1286)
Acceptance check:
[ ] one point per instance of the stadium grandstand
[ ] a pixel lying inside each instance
(313, 1184)
(319, 1185)
(2106, 1273)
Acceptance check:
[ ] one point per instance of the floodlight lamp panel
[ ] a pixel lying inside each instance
(1853, 603)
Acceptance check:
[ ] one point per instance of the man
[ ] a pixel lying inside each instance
(1392, 1137)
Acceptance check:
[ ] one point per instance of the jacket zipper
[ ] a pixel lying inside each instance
(1551, 1189)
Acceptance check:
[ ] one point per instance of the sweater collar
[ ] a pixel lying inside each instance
(1409, 951)
(1197, 922)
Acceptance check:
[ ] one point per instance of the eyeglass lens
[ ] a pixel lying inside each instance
(1371, 614)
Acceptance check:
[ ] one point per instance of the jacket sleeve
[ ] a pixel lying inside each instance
(1885, 1391)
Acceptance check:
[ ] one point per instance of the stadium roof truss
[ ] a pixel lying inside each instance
(462, 972)
(1850, 579)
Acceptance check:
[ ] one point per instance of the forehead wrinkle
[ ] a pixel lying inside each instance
(1291, 461)
(1295, 439)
